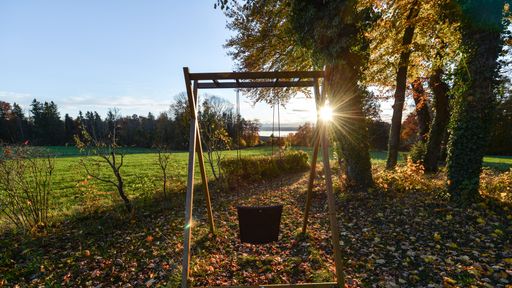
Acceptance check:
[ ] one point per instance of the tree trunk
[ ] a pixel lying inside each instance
(474, 103)
(120, 190)
(444, 146)
(421, 108)
(441, 118)
(349, 125)
(210, 156)
(401, 83)
(165, 185)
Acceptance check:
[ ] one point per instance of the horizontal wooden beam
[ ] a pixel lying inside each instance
(304, 285)
(257, 75)
(255, 84)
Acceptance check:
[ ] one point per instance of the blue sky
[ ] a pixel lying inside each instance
(94, 55)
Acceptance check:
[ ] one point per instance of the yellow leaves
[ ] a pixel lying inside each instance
(480, 220)
(497, 185)
(508, 260)
(407, 178)
(437, 236)
(449, 217)
(452, 245)
(447, 281)
(429, 258)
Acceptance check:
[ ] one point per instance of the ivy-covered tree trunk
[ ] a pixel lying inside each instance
(349, 125)
(401, 83)
(474, 103)
(335, 33)
(441, 118)
(421, 108)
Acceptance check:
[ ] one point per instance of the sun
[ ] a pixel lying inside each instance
(326, 113)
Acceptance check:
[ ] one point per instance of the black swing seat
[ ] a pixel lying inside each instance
(259, 224)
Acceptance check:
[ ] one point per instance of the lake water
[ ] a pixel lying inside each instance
(267, 133)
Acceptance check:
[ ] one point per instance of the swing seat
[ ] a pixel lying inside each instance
(259, 224)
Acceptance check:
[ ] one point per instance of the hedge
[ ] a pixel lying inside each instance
(251, 169)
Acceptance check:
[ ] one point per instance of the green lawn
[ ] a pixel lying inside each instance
(142, 174)
(498, 162)
(67, 151)
(107, 247)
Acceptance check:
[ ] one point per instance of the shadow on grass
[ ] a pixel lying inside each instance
(104, 246)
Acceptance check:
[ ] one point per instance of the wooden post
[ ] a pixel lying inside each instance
(204, 178)
(312, 173)
(189, 202)
(335, 234)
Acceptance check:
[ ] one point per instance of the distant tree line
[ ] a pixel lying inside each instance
(43, 126)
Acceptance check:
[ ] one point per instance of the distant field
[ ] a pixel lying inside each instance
(142, 173)
(66, 151)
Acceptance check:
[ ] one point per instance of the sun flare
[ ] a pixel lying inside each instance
(326, 113)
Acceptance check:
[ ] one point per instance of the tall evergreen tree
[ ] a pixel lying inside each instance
(52, 126)
(37, 119)
(70, 130)
(20, 122)
(5, 112)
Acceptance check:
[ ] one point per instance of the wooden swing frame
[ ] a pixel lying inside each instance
(234, 80)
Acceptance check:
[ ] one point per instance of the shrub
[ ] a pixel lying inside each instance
(107, 154)
(251, 169)
(25, 186)
(409, 178)
(417, 152)
(496, 184)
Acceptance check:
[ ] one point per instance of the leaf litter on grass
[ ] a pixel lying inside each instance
(388, 240)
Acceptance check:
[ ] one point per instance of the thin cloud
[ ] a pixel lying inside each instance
(119, 101)
(10, 96)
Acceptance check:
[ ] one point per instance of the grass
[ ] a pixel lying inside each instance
(142, 175)
(415, 239)
(501, 163)
(70, 151)
(108, 247)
